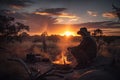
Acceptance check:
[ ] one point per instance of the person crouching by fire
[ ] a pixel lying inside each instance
(86, 51)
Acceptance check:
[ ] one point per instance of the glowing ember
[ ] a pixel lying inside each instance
(62, 59)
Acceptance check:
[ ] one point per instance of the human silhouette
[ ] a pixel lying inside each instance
(86, 51)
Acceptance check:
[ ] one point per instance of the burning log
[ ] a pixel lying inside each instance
(62, 62)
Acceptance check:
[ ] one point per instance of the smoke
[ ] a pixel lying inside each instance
(38, 50)
(63, 44)
(66, 42)
(18, 49)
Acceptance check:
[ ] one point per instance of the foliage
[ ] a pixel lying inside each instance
(10, 29)
(117, 11)
(98, 32)
(54, 38)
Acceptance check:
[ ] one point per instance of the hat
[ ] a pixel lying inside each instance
(83, 30)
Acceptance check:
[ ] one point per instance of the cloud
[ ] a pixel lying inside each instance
(62, 14)
(50, 11)
(92, 13)
(56, 12)
(109, 15)
(61, 20)
(36, 22)
(6, 12)
(62, 17)
(67, 15)
(59, 13)
(15, 4)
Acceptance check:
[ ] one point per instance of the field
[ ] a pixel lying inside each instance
(107, 57)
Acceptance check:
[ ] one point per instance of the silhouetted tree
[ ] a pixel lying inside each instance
(94, 34)
(9, 29)
(43, 35)
(98, 35)
(54, 38)
(117, 11)
(24, 36)
(98, 32)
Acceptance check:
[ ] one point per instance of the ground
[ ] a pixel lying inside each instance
(105, 67)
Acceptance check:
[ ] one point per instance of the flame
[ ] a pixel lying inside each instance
(62, 59)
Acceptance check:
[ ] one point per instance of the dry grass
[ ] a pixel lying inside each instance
(16, 71)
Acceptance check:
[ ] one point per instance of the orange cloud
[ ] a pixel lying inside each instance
(5, 11)
(43, 13)
(60, 20)
(59, 13)
(16, 7)
(109, 15)
(92, 13)
(66, 15)
(68, 20)
(62, 14)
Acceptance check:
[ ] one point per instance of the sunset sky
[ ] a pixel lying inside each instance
(38, 13)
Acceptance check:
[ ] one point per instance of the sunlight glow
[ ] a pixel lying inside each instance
(68, 33)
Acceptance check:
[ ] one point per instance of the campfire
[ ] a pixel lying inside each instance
(62, 60)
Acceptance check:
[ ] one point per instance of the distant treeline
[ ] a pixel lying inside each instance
(57, 38)
(109, 39)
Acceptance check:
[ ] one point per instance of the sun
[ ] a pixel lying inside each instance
(68, 33)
